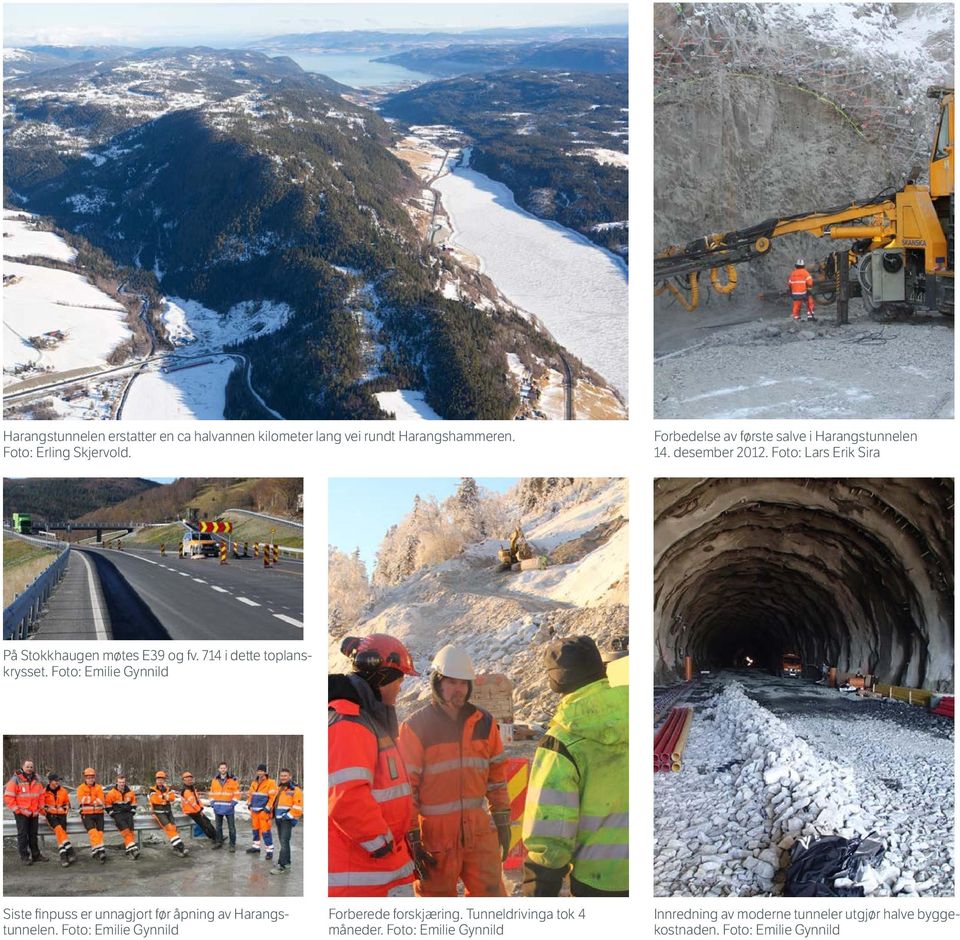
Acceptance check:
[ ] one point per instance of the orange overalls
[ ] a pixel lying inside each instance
(800, 283)
(161, 803)
(90, 799)
(259, 798)
(368, 804)
(192, 806)
(56, 806)
(121, 805)
(456, 766)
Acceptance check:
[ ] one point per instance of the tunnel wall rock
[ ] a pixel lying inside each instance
(857, 573)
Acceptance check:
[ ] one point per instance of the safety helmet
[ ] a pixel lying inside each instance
(376, 652)
(160, 775)
(800, 262)
(89, 772)
(454, 663)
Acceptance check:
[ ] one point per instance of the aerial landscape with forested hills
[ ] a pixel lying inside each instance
(318, 226)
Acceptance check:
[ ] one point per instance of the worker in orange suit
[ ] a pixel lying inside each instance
(224, 794)
(91, 801)
(23, 796)
(162, 799)
(457, 768)
(192, 806)
(369, 796)
(121, 805)
(262, 791)
(800, 283)
(56, 807)
(287, 810)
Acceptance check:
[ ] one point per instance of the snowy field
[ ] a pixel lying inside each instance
(46, 299)
(21, 241)
(753, 783)
(577, 289)
(406, 405)
(198, 393)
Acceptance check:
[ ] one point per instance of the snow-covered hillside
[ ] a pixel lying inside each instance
(504, 618)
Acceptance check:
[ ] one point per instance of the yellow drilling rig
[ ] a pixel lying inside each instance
(900, 259)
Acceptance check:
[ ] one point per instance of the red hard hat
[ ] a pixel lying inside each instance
(378, 651)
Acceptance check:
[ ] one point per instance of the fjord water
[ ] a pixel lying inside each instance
(357, 71)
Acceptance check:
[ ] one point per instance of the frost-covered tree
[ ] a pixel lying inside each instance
(349, 590)
(466, 510)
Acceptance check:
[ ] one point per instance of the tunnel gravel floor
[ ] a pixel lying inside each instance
(770, 760)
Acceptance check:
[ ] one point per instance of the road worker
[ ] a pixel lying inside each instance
(56, 807)
(191, 805)
(162, 799)
(91, 801)
(262, 791)
(287, 809)
(369, 804)
(23, 796)
(575, 821)
(224, 793)
(456, 763)
(800, 283)
(121, 804)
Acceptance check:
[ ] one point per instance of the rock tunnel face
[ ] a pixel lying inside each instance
(857, 574)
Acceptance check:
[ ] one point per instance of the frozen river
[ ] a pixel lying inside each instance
(578, 290)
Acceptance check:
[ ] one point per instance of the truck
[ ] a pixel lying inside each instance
(791, 666)
(900, 259)
(21, 523)
(199, 544)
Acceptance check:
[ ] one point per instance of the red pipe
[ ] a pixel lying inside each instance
(663, 735)
(666, 752)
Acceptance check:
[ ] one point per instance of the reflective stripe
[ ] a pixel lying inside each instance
(496, 786)
(349, 773)
(414, 770)
(613, 821)
(456, 764)
(439, 809)
(499, 759)
(557, 828)
(346, 879)
(391, 793)
(373, 844)
(550, 797)
(590, 853)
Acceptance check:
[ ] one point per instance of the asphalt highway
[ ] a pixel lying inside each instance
(140, 595)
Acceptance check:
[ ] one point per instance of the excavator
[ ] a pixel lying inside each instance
(519, 550)
(900, 259)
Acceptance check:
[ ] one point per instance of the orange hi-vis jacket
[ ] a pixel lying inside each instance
(224, 795)
(261, 794)
(288, 803)
(369, 796)
(800, 282)
(114, 796)
(56, 803)
(456, 766)
(91, 800)
(190, 801)
(23, 795)
(162, 799)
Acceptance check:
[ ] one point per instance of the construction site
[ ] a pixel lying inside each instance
(804, 687)
(813, 133)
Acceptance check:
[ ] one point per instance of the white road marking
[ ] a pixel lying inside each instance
(98, 623)
(199, 580)
(290, 620)
(248, 602)
(183, 574)
(219, 590)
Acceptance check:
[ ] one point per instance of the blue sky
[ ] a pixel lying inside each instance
(362, 509)
(156, 24)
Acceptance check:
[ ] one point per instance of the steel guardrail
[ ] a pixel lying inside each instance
(25, 610)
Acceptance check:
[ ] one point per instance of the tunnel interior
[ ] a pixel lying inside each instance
(856, 574)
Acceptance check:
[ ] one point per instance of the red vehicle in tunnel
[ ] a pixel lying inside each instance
(791, 666)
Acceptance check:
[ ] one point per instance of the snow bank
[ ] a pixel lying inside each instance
(577, 289)
(606, 157)
(20, 240)
(42, 300)
(407, 405)
(197, 393)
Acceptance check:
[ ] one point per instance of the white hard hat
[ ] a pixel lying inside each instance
(799, 262)
(454, 663)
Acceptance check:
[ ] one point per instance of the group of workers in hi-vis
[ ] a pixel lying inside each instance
(423, 806)
(269, 801)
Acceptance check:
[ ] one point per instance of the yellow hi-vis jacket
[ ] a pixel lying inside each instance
(577, 808)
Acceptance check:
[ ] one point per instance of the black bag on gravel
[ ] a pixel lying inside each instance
(816, 863)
